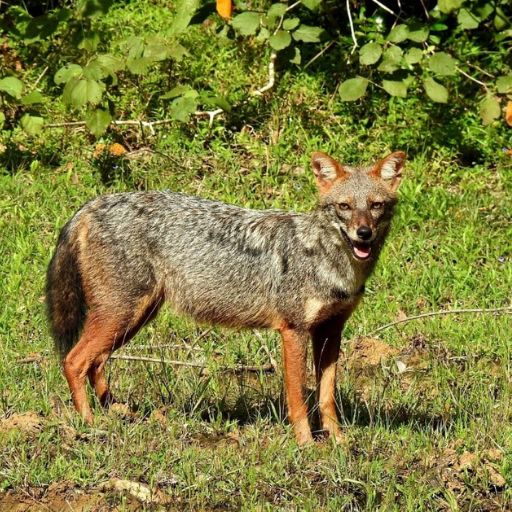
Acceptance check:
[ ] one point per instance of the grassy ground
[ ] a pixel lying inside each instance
(427, 407)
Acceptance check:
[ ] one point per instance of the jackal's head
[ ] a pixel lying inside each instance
(359, 201)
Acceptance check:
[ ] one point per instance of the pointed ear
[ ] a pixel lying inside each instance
(389, 169)
(327, 171)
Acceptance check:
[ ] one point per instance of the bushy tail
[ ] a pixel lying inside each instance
(65, 298)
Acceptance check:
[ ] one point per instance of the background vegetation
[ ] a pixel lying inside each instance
(155, 94)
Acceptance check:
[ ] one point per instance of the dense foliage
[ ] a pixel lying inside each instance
(451, 51)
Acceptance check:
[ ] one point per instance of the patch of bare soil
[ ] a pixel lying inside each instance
(27, 422)
(454, 468)
(369, 353)
(64, 496)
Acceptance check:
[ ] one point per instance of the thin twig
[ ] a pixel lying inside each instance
(387, 9)
(142, 124)
(319, 54)
(351, 27)
(177, 346)
(505, 310)
(478, 68)
(484, 85)
(40, 77)
(425, 9)
(267, 368)
(271, 76)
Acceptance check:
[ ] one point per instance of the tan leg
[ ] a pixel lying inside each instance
(95, 345)
(294, 355)
(326, 347)
(98, 380)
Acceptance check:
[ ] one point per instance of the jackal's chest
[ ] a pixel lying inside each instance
(317, 310)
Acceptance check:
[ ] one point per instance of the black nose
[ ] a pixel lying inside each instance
(364, 232)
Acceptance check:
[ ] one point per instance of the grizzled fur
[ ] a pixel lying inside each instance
(122, 255)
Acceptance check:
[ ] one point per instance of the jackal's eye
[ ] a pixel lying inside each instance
(343, 206)
(377, 205)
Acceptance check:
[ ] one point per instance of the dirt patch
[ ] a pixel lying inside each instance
(369, 353)
(115, 495)
(27, 422)
(453, 468)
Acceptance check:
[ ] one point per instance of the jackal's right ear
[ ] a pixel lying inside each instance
(327, 171)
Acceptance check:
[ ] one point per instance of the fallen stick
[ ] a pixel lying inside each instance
(266, 368)
(505, 310)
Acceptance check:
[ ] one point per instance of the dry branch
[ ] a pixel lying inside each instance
(266, 368)
(504, 310)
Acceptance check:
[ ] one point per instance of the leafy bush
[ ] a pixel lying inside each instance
(450, 52)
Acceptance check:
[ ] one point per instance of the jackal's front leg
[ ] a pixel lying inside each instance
(326, 348)
(294, 355)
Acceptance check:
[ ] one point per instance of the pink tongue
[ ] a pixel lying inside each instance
(362, 252)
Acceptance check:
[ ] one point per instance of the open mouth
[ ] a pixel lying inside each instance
(360, 250)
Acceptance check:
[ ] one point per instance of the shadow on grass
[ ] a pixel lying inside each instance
(16, 157)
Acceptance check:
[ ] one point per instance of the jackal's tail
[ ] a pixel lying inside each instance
(65, 298)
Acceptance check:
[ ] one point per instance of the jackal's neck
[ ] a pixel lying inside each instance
(335, 254)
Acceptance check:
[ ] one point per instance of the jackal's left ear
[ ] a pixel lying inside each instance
(327, 171)
(389, 169)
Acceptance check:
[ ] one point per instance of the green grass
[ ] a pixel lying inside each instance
(222, 442)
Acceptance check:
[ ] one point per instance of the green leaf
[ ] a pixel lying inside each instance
(179, 90)
(94, 71)
(438, 27)
(395, 88)
(485, 10)
(500, 20)
(370, 53)
(413, 56)
(185, 10)
(504, 84)
(66, 73)
(32, 97)
(135, 47)
(211, 100)
(2, 119)
(296, 59)
(110, 63)
(40, 27)
(79, 91)
(391, 59)
(12, 86)
(353, 88)
(308, 34)
(291, 23)
(280, 40)
(90, 41)
(93, 8)
(442, 64)
(97, 121)
(418, 33)
(31, 124)
(177, 51)
(467, 20)
(312, 5)
(276, 10)
(156, 49)
(182, 108)
(447, 6)
(246, 23)
(398, 34)
(263, 34)
(490, 109)
(435, 91)
(138, 66)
